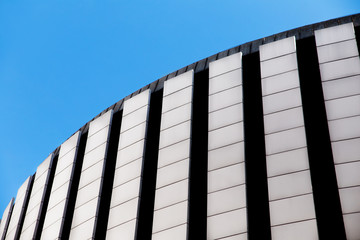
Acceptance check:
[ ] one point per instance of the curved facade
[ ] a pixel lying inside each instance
(261, 141)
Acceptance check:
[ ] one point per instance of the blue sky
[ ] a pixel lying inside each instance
(64, 61)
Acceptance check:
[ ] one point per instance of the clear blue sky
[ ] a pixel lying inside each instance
(64, 61)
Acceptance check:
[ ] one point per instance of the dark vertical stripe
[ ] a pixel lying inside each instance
(108, 178)
(198, 158)
(24, 208)
(257, 198)
(325, 190)
(357, 35)
(149, 169)
(74, 184)
(45, 200)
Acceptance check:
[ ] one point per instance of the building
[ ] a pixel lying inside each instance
(261, 141)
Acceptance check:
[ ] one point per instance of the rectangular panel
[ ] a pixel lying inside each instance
(334, 34)
(35, 205)
(92, 174)
(176, 116)
(351, 222)
(287, 162)
(346, 151)
(276, 122)
(344, 128)
(177, 99)
(348, 174)
(127, 172)
(170, 217)
(227, 224)
(226, 116)
(295, 231)
(226, 136)
(350, 198)
(172, 173)
(341, 87)
(125, 196)
(226, 172)
(337, 51)
(59, 194)
(226, 200)
(179, 82)
(135, 118)
(285, 140)
(125, 192)
(278, 65)
(293, 209)
(340, 69)
(226, 177)
(123, 213)
(225, 99)
(176, 233)
(226, 156)
(289, 185)
(226, 81)
(130, 153)
(177, 152)
(126, 231)
(175, 134)
(343, 107)
(281, 101)
(224, 65)
(277, 48)
(279, 83)
(171, 194)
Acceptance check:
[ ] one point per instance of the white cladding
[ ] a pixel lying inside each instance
(172, 183)
(18, 210)
(292, 212)
(125, 198)
(91, 178)
(55, 213)
(5, 219)
(340, 74)
(38, 191)
(226, 211)
(290, 193)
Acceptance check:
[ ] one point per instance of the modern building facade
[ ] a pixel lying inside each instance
(261, 141)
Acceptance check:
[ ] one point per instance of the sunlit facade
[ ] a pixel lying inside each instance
(260, 141)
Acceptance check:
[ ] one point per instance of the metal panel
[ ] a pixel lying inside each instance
(38, 191)
(19, 209)
(226, 173)
(99, 133)
(59, 192)
(5, 219)
(289, 179)
(123, 214)
(171, 194)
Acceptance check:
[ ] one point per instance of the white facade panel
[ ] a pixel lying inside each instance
(226, 168)
(59, 192)
(342, 108)
(125, 197)
(85, 202)
(285, 140)
(18, 209)
(5, 219)
(171, 194)
(39, 188)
